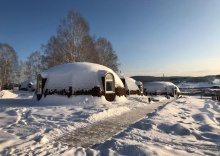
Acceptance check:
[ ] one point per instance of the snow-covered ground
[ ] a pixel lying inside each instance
(28, 124)
(16, 94)
(186, 126)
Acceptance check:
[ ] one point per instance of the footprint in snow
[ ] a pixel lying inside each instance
(206, 128)
(177, 129)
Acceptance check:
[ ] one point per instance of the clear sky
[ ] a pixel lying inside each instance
(150, 37)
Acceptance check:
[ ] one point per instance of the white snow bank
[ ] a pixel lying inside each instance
(108, 113)
(120, 99)
(79, 100)
(158, 98)
(10, 94)
(76, 100)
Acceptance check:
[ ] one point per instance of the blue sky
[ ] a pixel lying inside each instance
(150, 37)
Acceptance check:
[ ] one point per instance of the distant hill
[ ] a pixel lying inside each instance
(178, 79)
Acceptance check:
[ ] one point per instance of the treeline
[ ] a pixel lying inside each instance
(72, 43)
(178, 79)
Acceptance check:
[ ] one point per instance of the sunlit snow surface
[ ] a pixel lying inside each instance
(186, 126)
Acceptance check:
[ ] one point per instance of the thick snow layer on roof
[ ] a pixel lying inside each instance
(25, 83)
(130, 84)
(216, 81)
(139, 83)
(160, 87)
(80, 75)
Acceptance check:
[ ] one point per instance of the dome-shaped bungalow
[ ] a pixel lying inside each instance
(28, 85)
(132, 86)
(166, 88)
(79, 78)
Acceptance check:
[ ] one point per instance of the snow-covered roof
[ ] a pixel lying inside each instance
(25, 83)
(80, 76)
(159, 86)
(130, 84)
(139, 83)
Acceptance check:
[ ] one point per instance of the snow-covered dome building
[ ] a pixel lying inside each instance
(79, 78)
(29, 85)
(132, 86)
(161, 87)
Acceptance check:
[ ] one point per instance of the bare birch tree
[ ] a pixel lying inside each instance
(106, 54)
(73, 43)
(21, 74)
(9, 64)
(72, 32)
(54, 54)
(34, 65)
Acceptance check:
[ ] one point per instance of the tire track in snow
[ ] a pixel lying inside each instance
(102, 130)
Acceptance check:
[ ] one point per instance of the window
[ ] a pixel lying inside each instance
(109, 83)
(109, 86)
(39, 84)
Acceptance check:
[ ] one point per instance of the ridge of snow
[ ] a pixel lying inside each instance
(108, 113)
